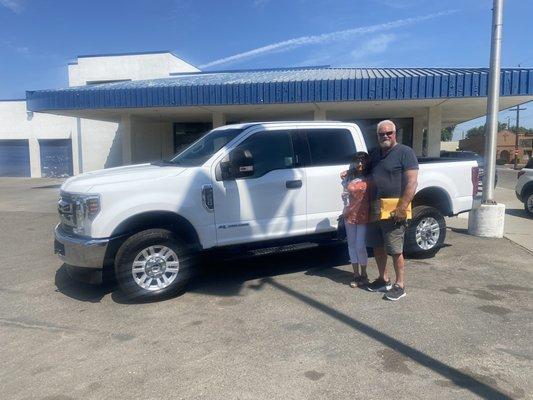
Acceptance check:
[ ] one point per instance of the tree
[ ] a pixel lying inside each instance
(446, 134)
(480, 130)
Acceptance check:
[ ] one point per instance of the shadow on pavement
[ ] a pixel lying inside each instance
(463, 231)
(80, 290)
(227, 277)
(517, 212)
(221, 277)
(216, 276)
(55, 186)
(459, 378)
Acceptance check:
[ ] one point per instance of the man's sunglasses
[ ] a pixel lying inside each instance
(389, 133)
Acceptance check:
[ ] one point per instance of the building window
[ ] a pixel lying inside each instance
(189, 132)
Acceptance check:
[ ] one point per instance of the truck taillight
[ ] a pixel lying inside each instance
(475, 181)
(520, 173)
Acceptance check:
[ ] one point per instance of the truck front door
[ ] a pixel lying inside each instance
(270, 203)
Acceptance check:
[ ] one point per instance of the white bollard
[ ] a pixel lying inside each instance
(487, 220)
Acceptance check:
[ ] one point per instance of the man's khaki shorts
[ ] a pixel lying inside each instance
(388, 234)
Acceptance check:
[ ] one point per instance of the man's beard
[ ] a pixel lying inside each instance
(385, 144)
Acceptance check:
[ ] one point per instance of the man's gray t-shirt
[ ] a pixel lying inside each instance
(388, 169)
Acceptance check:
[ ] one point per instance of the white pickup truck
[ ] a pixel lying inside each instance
(251, 185)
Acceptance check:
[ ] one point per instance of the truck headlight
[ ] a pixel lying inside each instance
(86, 209)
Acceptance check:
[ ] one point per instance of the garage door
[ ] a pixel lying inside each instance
(14, 158)
(56, 158)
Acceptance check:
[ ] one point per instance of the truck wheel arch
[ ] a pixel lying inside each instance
(159, 219)
(434, 197)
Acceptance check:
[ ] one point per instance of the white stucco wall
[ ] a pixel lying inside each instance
(101, 145)
(134, 67)
(151, 141)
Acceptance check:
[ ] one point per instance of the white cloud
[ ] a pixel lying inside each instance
(260, 3)
(14, 5)
(290, 44)
(376, 45)
(24, 50)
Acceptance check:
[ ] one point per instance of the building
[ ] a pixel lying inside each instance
(130, 108)
(505, 146)
(44, 145)
(449, 146)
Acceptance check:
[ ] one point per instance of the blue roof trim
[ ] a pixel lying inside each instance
(284, 86)
(2, 100)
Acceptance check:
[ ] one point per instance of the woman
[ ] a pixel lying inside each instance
(356, 197)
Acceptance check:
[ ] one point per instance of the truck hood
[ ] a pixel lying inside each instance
(132, 173)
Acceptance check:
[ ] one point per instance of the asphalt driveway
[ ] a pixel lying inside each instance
(281, 326)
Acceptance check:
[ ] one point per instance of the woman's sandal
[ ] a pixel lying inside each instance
(356, 281)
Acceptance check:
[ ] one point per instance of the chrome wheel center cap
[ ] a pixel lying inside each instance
(155, 266)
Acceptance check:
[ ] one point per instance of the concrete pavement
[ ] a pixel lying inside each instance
(272, 327)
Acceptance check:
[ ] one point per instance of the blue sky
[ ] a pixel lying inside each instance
(38, 37)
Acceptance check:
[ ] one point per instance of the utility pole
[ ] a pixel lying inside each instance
(493, 103)
(487, 219)
(517, 109)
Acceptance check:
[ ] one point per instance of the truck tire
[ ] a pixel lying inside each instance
(528, 203)
(153, 264)
(426, 232)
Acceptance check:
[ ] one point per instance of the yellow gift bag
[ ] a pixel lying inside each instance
(387, 207)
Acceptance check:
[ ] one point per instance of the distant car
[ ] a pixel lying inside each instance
(524, 186)
(470, 155)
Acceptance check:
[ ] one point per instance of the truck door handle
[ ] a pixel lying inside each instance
(293, 184)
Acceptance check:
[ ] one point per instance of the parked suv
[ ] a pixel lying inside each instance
(524, 186)
(244, 186)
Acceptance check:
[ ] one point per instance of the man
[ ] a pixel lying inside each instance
(394, 175)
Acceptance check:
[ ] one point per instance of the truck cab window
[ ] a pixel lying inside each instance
(330, 146)
(270, 150)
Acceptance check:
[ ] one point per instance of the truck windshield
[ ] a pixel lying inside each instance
(201, 150)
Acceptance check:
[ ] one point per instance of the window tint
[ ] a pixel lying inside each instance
(270, 150)
(200, 151)
(330, 146)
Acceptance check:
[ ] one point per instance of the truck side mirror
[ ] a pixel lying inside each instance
(239, 164)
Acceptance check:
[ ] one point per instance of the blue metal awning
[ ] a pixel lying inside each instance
(283, 86)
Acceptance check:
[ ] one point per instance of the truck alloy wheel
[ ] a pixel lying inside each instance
(152, 264)
(426, 231)
(155, 267)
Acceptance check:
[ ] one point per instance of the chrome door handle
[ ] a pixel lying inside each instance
(297, 184)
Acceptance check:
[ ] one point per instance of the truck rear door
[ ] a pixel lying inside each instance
(330, 153)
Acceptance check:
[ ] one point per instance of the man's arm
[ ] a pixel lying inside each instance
(411, 177)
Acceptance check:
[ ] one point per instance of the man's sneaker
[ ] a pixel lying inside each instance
(379, 285)
(396, 293)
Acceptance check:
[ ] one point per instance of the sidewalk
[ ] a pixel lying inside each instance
(518, 225)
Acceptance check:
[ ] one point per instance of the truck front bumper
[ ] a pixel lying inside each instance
(78, 251)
